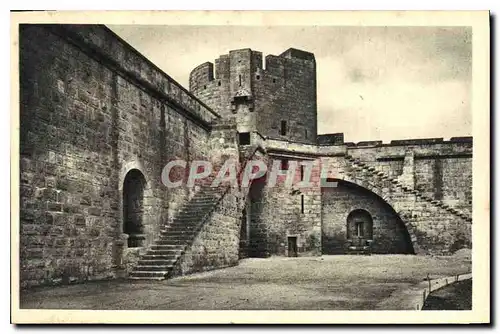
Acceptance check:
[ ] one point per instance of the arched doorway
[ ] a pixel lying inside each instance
(133, 208)
(359, 230)
(252, 232)
(354, 214)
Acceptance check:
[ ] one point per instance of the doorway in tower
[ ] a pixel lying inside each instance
(292, 246)
(253, 241)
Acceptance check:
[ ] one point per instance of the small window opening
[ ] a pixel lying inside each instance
(244, 138)
(360, 231)
(257, 77)
(218, 83)
(239, 76)
(284, 164)
(301, 203)
(305, 133)
(302, 172)
(283, 128)
(205, 87)
(274, 80)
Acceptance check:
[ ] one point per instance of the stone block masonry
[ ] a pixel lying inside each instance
(98, 122)
(92, 110)
(278, 101)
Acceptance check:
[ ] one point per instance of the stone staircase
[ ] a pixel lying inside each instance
(161, 257)
(381, 180)
(417, 211)
(174, 238)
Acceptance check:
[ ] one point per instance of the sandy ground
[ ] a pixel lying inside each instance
(457, 296)
(308, 283)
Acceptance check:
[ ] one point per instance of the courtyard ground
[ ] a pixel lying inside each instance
(306, 283)
(456, 296)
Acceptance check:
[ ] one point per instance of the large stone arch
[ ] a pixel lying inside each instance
(372, 197)
(386, 197)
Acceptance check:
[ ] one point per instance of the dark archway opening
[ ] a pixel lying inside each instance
(359, 230)
(133, 208)
(244, 233)
(359, 225)
(252, 233)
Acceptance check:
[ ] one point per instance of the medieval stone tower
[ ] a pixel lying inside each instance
(278, 100)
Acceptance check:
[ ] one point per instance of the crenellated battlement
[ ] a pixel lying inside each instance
(275, 95)
(464, 141)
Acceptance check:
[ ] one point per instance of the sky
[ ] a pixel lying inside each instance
(374, 83)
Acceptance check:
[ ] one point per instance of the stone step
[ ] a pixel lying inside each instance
(191, 216)
(158, 262)
(174, 249)
(177, 233)
(178, 230)
(198, 205)
(202, 200)
(168, 231)
(166, 257)
(137, 274)
(183, 220)
(175, 237)
(167, 241)
(184, 225)
(154, 268)
(163, 252)
(211, 191)
(195, 207)
(173, 241)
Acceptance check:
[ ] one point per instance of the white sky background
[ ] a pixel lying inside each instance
(374, 83)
